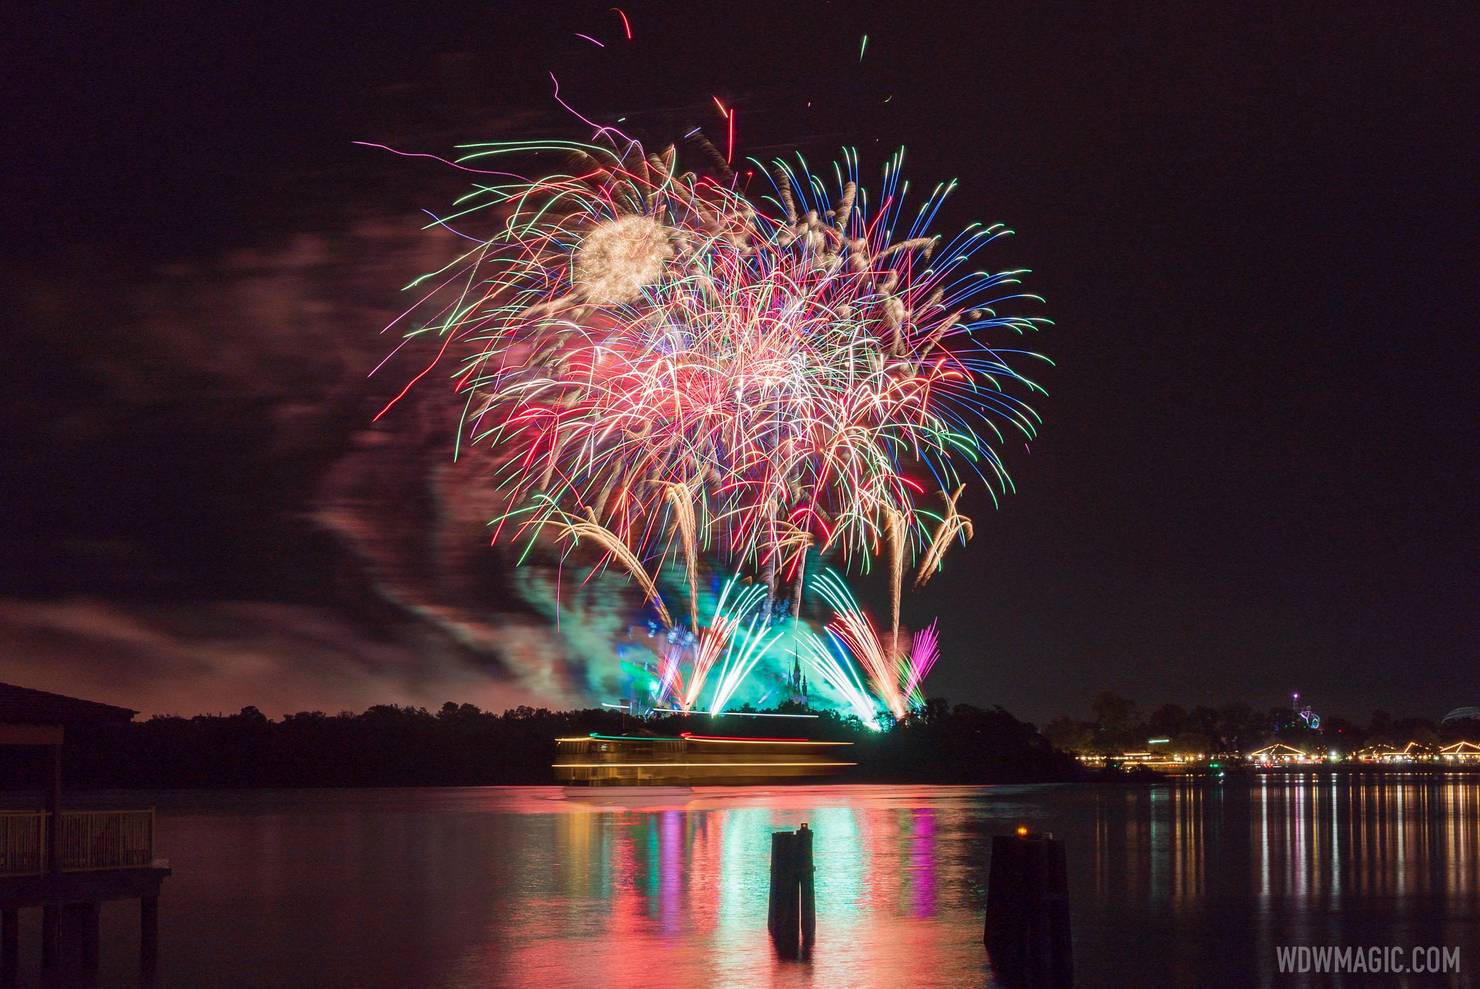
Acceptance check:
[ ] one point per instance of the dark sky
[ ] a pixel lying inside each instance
(1255, 228)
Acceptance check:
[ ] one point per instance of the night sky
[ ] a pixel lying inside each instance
(1255, 229)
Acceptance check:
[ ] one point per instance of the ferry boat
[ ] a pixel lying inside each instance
(645, 760)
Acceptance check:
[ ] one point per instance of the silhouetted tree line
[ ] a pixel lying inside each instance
(1118, 724)
(459, 745)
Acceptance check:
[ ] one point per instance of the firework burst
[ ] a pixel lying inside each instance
(671, 367)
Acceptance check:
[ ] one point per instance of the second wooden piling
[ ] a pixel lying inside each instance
(792, 917)
(1027, 924)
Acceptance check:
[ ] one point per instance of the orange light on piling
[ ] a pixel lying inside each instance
(1022, 831)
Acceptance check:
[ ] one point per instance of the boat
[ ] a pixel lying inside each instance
(653, 760)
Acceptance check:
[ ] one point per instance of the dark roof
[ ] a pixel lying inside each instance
(24, 706)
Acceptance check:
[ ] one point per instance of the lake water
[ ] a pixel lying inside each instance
(1172, 885)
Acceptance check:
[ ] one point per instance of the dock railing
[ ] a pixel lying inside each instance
(22, 843)
(89, 840)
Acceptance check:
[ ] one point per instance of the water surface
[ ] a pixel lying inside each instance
(1171, 884)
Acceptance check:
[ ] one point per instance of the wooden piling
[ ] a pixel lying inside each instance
(10, 943)
(148, 934)
(51, 935)
(792, 917)
(82, 920)
(781, 917)
(806, 873)
(1027, 922)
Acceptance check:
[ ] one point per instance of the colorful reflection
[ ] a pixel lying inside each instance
(901, 872)
(492, 887)
(688, 882)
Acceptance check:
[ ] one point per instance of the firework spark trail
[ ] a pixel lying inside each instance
(952, 524)
(894, 526)
(626, 24)
(577, 529)
(833, 667)
(924, 651)
(853, 628)
(714, 639)
(698, 338)
(799, 572)
(738, 663)
(670, 675)
(681, 501)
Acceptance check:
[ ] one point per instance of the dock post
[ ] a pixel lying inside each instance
(792, 918)
(806, 874)
(51, 935)
(84, 920)
(10, 943)
(781, 917)
(148, 934)
(1027, 922)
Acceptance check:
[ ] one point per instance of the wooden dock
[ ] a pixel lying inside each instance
(68, 863)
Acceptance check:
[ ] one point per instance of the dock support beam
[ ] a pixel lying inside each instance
(82, 919)
(10, 944)
(1027, 925)
(51, 935)
(792, 918)
(54, 815)
(806, 875)
(148, 934)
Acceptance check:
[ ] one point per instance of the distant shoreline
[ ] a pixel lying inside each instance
(459, 745)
